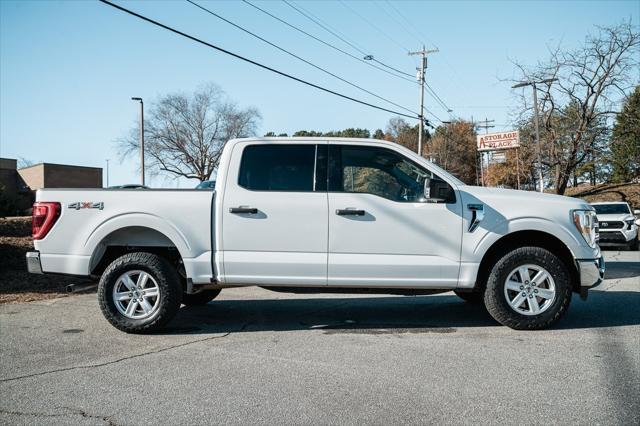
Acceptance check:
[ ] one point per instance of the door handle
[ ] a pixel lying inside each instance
(349, 212)
(245, 210)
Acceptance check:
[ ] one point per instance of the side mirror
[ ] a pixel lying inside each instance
(438, 191)
(427, 188)
(636, 212)
(638, 222)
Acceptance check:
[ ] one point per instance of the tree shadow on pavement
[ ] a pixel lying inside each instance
(381, 315)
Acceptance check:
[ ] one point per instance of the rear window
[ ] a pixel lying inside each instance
(277, 167)
(612, 209)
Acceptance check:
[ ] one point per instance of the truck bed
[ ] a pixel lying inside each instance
(180, 218)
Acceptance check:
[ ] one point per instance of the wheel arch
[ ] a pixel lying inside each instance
(128, 239)
(523, 238)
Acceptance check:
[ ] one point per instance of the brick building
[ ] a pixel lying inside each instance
(17, 186)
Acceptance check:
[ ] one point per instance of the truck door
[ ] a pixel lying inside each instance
(383, 230)
(274, 214)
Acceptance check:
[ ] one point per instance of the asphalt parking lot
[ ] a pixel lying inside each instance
(257, 357)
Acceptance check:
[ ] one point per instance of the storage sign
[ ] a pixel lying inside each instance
(498, 141)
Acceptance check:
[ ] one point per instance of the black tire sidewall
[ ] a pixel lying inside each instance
(164, 275)
(497, 304)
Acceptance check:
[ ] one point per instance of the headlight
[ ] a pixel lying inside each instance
(586, 223)
(630, 223)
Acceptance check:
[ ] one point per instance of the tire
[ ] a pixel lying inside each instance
(551, 296)
(200, 298)
(635, 245)
(161, 279)
(474, 297)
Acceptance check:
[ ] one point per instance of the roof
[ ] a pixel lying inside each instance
(60, 165)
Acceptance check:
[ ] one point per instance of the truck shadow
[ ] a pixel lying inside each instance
(385, 315)
(620, 269)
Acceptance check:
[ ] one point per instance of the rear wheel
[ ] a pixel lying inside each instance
(200, 298)
(139, 292)
(528, 289)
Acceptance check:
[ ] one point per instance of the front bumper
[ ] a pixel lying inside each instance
(591, 273)
(33, 262)
(617, 237)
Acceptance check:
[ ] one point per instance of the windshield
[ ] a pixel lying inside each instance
(612, 209)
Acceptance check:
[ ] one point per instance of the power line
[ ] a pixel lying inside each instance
(317, 21)
(235, 55)
(373, 26)
(324, 42)
(437, 98)
(407, 21)
(296, 56)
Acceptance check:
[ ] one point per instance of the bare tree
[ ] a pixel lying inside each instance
(185, 135)
(576, 108)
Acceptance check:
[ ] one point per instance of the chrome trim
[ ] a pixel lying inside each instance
(33, 262)
(591, 271)
(478, 215)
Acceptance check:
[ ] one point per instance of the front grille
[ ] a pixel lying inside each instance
(611, 224)
(612, 237)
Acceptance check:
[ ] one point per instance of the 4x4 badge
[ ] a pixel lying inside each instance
(86, 205)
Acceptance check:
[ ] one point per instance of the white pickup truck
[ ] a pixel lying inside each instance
(320, 215)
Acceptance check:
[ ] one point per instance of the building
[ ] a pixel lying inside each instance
(18, 186)
(48, 175)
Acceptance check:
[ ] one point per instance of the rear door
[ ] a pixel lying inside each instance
(383, 231)
(274, 215)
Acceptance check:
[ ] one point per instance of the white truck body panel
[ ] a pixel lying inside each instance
(296, 239)
(182, 216)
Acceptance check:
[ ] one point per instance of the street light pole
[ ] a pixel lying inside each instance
(107, 160)
(535, 123)
(141, 137)
(537, 128)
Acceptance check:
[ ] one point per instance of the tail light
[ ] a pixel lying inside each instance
(45, 214)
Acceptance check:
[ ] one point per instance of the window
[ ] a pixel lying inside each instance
(384, 173)
(612, 209)
(278, 167)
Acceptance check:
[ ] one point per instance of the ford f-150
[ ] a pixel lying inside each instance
(325, 215)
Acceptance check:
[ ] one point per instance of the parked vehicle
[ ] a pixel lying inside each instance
(321, 215)
(129, 186)
(618, 225)
(206, 184)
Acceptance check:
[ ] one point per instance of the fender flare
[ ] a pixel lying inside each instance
(142, 220)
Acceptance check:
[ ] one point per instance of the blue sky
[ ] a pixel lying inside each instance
(69, 68)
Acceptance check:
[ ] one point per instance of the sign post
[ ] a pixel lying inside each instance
(500, 141)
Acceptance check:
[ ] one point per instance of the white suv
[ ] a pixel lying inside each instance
(618, 225)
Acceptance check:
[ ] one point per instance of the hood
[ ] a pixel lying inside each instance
(615, 217)
(531, 199)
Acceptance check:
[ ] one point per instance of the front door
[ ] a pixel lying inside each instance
(386, 227)
(275, 220)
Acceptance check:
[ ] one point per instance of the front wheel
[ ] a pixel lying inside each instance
(634, 245)
(139, 292)
(528, 289)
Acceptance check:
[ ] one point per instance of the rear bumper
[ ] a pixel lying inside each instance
(33, 262)
(591, 272)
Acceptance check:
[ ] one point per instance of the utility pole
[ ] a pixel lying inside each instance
(535, 123)
(107, 160)
(486, 126)
(423, 67)
(141, 136)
